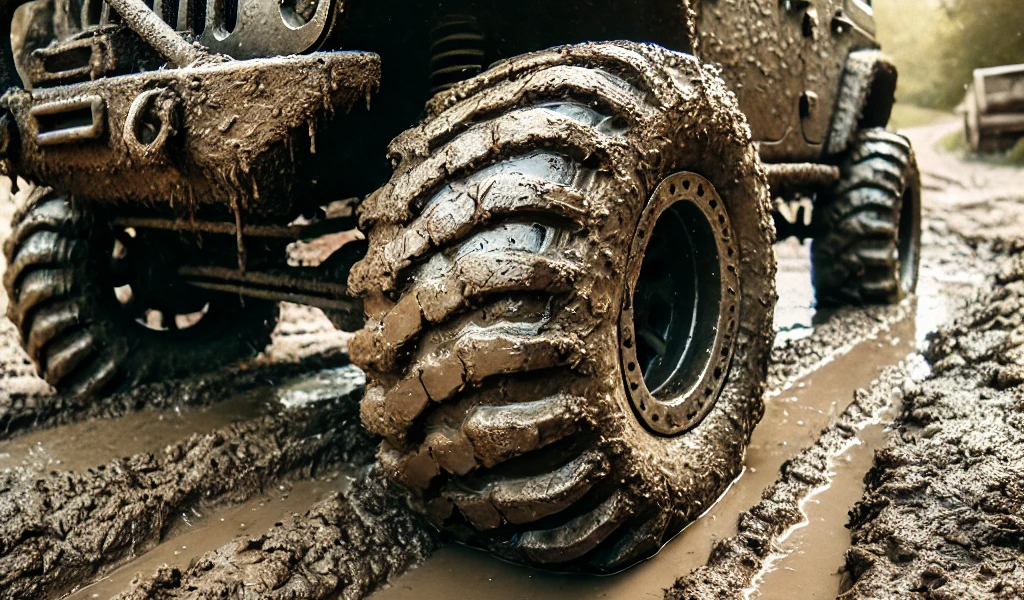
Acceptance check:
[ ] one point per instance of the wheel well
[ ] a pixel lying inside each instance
(400, 32)
(866, 97)
(881, 97)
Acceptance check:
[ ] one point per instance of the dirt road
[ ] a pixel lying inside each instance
(255, 481)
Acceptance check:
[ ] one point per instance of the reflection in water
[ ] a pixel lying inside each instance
(794, 312)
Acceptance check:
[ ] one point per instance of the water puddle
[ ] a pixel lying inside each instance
(87, 444)
(794, 312)
(792, 421)
(813, 552)
(197, 533)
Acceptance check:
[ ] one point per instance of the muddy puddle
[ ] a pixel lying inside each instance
(88, 444)
(792, 421)
(196, 533)
(794, 313)
(812, 552)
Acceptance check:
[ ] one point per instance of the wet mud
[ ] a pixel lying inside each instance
(810, 554)
(344, 547)
(61, 528)
(737, 561)
(198, 532)
(942, 516)
(21, 410)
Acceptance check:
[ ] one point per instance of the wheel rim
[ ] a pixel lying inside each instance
(167, 308)
(678, 322)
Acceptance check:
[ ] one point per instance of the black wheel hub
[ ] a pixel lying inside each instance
(146, 285)
(679, 316)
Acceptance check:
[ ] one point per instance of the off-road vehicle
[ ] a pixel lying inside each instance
(994, 115)
(564, 296)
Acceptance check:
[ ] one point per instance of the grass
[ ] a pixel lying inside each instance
(1016, 155)
(909, 115)
(954, 141)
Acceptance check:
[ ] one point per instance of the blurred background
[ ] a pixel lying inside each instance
(937, 44)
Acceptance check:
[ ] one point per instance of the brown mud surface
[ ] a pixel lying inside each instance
(60, 528)
(274, 444)
(943, 516)
(346, 546)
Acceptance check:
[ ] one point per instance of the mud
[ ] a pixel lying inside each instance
(62, 528)
(38, 408)
(809, 555)
(737, 561)
(942, 514)
(344, 547)
(197, 533)
(81, 445)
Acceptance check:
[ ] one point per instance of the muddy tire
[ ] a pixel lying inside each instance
(871, 246)
(500, 282)
(76, 331)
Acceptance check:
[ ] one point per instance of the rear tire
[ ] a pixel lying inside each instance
(870, 250)
(501, 265)
(78, 334)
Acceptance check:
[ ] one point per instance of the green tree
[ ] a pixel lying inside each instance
(937, 44)
(979, 33)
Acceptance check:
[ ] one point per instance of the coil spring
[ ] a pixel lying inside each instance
(456, 51)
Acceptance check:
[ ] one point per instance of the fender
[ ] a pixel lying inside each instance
(866, 97)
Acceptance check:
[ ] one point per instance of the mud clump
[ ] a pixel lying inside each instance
(346, 546)
(943, 514)
(63, 528)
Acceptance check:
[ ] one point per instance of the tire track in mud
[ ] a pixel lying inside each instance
(737, 561)
(344, 547)
(277, 564)
(61, 529)
(943, 514)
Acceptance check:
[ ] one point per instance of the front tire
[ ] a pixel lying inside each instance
(62, 284)
(499, 290)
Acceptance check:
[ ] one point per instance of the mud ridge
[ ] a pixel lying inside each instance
(346, 546)
(58, 530)
(20, 412)
(943, 514)
(835, 335)
(736, 561)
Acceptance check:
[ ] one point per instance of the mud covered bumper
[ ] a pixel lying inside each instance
(226, 132)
